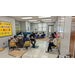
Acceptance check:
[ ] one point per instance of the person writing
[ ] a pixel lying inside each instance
(32, 38)
(52, 42)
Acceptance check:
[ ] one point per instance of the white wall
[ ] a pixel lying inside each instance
(22, 26)
(65, 42)
(5, 39)
(18, 23)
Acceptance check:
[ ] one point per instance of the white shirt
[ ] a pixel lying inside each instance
(14, 40)
(54, 41)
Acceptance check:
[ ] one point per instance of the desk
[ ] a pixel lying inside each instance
(17, 54)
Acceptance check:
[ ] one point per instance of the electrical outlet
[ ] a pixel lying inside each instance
(4, 43)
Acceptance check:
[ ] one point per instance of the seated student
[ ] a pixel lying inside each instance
(37, 34)
(20, 34)
(52, 43)
(55, 34)
(32, 38)
(40, 35)
(43, 34)
(25, 38)
(15, 39)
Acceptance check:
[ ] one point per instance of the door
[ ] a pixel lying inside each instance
(50, 29)
(72, 42)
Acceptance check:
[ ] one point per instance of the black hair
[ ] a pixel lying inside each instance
(55, 33)
(25, 35)
(15, 36)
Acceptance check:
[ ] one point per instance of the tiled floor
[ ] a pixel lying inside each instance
(33, 53)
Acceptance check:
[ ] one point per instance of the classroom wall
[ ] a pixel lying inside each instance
(22, 26)
(5, 39)
(18, 23)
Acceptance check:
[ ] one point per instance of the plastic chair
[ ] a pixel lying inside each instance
(27, 44)
(13, 45)
(57, 45)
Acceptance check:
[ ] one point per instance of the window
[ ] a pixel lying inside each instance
(40, 29)
(44, 29)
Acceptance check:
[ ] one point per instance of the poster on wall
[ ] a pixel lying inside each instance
(5, 29)
(17, 28)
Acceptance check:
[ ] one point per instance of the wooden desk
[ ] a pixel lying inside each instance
(17, 54)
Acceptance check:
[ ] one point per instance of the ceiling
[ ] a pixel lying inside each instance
(18, 18)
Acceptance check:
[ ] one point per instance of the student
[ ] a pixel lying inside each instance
(43, 34)
(20, 34)
(15, 39)
(25, 38)
(37, 34)
(40, 35)
(55, 34)
(52, 43)
(32, 38)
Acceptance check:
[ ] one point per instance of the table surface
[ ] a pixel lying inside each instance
(16, 53)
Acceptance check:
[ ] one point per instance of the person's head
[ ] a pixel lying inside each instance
(43, 32)
(55, 33)
(21, 32)
(40, 33)
(15, 36)
(25, 35)
(32, 33)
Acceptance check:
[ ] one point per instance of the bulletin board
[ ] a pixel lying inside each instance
(5, 29)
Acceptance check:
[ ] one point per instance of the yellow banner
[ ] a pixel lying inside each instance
(5, 29)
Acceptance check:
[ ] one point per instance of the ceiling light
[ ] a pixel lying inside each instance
(26, 18)
(43, 16)
(32, 20)
(63, 18)
(45, 19)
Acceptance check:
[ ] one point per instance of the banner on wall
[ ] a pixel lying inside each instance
(5, 29)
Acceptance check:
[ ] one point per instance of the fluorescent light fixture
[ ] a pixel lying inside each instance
(32, 20)
(46, 19)
(37, 22)
(63, 18)
(43, 16)
(26, 18)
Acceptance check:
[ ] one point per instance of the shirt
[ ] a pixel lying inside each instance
(32, 37)
(54, 41)
(15, 39)
(25, 39)
(55, 36)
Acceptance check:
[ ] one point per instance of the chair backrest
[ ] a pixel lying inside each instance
(27, 43)
(12, 44)
(57, 43)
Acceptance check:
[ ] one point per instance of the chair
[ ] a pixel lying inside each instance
(13, 45)
(57, 45)
(27, 44)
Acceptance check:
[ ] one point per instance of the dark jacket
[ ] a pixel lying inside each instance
(25, 39)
